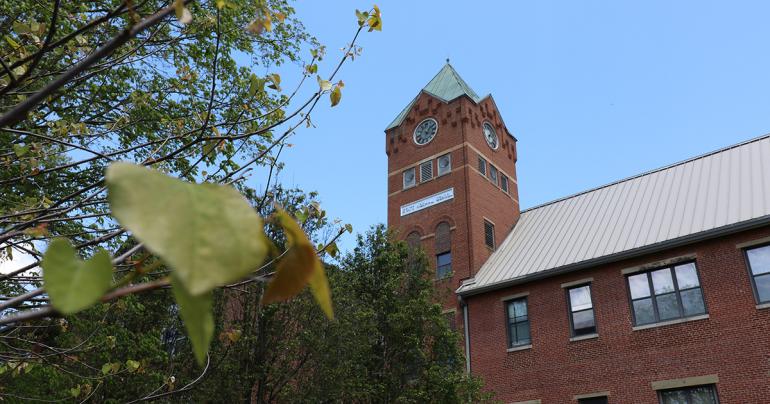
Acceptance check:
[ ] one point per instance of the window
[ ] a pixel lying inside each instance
(581, 310)
(409, 178)
(426, 171)
(666, 294)
(690, 395)
(504, 183)
(443, 250)
(444, 164)
(482, 166)
(450, 319)
(489, 234)
(518, 322)
(759, 265)
(593, 400)
(443, 265)
(413, 239)
(493, 174)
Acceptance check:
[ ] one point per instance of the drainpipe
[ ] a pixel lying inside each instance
(466, 334)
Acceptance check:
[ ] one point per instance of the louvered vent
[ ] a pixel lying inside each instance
(504, 183)
(489, 234)
(482, 166)
(426, 171)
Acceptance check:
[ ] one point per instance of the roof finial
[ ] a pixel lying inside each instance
(447, 60)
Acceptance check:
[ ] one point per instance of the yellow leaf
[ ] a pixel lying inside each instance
(335, 95)
(299, 267)
(182, 13)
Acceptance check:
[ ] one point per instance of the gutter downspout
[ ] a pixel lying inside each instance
(466, 334)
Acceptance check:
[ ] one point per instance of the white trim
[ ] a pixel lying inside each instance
(660, 263)
(685, 382)
(584, 337)
(516, 296)
(752, 243)
(520, 348)
(577, 282)
(665, 323)
(527, 402)
(763, 306)
(591, 395)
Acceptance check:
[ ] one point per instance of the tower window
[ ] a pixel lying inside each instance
(443, 265)
(444, 164)
(413, 240)
(443, 250)
(482, 166)
(489, 234)
(504, 183)
(426, 171)
(410, 179)
(493, 174)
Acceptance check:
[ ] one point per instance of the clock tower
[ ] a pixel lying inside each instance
(452, 185)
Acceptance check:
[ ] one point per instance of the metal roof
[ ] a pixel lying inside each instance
(446, 85)
(716, 193)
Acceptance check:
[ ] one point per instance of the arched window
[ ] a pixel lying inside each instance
(443, 251)
(413, 239)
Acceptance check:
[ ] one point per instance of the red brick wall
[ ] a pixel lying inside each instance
(475, 198)
(733, 343)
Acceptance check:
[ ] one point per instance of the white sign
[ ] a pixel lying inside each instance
(427, 202)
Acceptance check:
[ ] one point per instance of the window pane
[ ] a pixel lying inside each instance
(759, 259)
(643, 311)
(580, 298)
(444, 259)
(662, 281)
(593, 400)
(703, 395)
(639, 286)
(583, 320)
(517, 308)
(763, 287)
(686, 276)
(668, 306)
(522, 333)
(692, 302)
(674, 397)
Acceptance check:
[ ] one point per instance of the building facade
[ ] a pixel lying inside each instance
(651, 289)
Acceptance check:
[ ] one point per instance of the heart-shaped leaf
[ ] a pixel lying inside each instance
(71, 283)
(297, 268)
(208, 234)
(197, 315)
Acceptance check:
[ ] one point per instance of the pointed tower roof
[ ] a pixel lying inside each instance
(446, 85)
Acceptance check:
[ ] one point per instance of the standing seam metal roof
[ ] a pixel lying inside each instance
(719, 190)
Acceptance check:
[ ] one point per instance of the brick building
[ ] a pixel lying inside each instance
(655, 288)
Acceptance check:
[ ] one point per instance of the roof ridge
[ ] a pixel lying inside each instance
(645, 173)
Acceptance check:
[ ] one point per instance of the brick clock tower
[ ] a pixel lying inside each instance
(452, 185)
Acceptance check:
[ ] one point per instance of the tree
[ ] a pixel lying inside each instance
(83, 85)
(389, 341)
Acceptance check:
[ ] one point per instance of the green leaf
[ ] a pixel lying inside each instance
(325, 85)
(349, 228)
(182, 13)
(256, 85)
(20, 28)
(75, 391)
(335, 95)
(109, 367)
(132, 365)
(298, 267)
(207, 233)
(20, 150)
(73, 284)
(197, 315)
(275, 80)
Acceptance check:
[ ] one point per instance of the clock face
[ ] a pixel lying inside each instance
(425, 131)
(491, 136)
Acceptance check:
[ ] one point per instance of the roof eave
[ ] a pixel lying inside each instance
(633, 253)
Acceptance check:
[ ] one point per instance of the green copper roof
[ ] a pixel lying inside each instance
(446, 85)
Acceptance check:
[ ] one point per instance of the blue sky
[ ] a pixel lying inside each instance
(595, 91)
